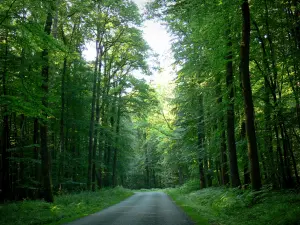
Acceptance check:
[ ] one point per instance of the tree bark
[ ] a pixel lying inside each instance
(248, 102)
(100, 152)
(62, 123)
(201, 138)
(36, 142)
(45, 153)
(5, 181)
(289, 146)
(234, 171)
(114, 176)
(92, 122)
(245, 159)
(223, 152)
(287, 167)
(97, 117)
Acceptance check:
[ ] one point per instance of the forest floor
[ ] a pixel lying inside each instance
(220, 206)
(66, 208)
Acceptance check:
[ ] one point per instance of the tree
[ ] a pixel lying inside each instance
(45, 154)
(234, 172)
(247, 93)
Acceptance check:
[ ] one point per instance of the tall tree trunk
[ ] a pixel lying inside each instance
(104, 109)
(234, 171)
(268, 136)
(279, 156)
(269, 86)
(21, 190)
(114, 176)
(287, 167)
(289, 146)
(5, 182)
(62, 124)
(201, 138)
(96, 135)
(36, 142)
(218, 173)
(245, 158)
(100, 153)
(224, 161)
(247, 93)
(92, 122)
(45, 153)
(180, 175)
(147, 181)
(223, 152)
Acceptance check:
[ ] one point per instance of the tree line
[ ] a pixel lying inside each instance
(236, 104)
(65, 121)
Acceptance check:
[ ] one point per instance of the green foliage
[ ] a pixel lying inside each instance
(66, 208)
(116, 28)
(235, 206)
(205, 34)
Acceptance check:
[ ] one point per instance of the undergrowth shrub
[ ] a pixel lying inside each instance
(220, 205)
(190, 186)
(66, 207)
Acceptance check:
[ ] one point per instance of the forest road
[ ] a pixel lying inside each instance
(143, 208)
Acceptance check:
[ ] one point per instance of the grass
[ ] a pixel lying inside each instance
(216, 206)
(66, 208)
(147, 190)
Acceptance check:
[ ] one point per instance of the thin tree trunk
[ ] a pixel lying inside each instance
(96, 135)
(264, 172)
(114, 177)
(100, 152)
(289, 146)
(201, 138)
(223, 152)
(247, 93)
(62, 124)
(21, 191)
(218, 173)
(268, 136)
(269, 86)
(147, 169)
(224, 161)
(234, 171)
(104, 108)
(36, 142)
(287, 168)
(144, 138)
(92, 122)
(279, 156)
(5, 182)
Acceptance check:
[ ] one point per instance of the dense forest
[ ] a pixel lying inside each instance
(231, 118)
(236, 105)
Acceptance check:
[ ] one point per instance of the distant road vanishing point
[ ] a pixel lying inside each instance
(143, 208)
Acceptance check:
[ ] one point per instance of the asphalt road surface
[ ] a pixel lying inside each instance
(145, 208)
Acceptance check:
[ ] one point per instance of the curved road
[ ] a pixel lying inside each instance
(144, 208)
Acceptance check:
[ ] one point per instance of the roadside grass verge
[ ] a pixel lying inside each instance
(66, 208)
(216, 206)
(148, 190)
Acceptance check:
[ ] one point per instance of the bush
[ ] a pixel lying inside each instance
(65, 208)
(235, 206)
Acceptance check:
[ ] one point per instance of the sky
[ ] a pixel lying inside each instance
(159, 40)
